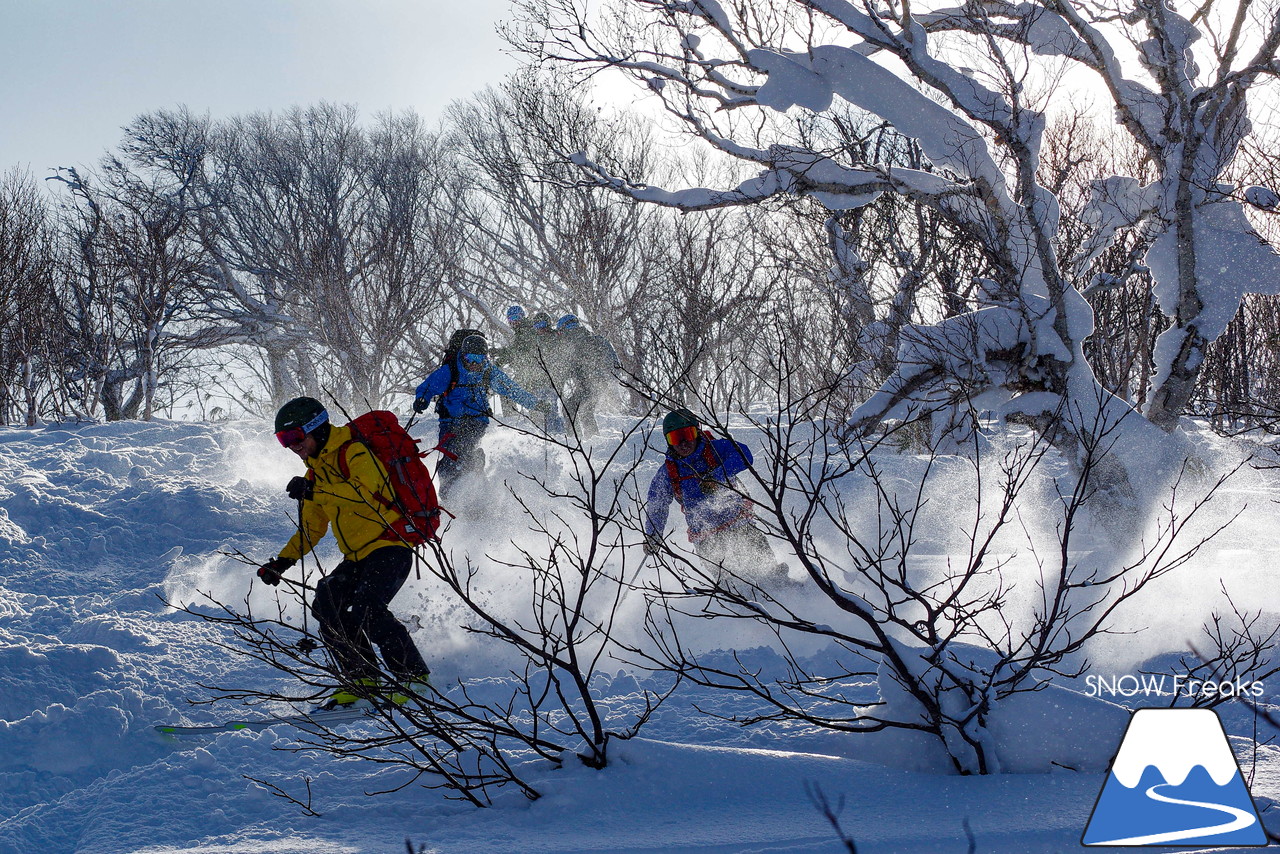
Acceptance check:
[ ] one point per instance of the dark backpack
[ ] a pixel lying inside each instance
(455, 344)
(451, 352)
(415, 495)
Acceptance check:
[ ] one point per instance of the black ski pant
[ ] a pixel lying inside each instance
(351, 606)
(459, 437)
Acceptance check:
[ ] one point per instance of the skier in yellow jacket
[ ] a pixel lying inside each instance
(351, 604)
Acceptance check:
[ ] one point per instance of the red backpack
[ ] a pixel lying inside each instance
(415, 495)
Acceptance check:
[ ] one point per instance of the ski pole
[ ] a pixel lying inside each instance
(302, 541)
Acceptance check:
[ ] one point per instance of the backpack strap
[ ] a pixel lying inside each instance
(673, 474)
(442, 410)
(344, 468)
(709, 454)
(673, 470)
(486, 377)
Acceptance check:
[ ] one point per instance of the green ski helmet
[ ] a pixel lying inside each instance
(298, 418)
(678, 418)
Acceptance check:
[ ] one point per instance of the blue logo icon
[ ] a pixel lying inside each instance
(1174, 781)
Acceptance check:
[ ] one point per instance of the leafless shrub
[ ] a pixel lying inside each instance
(947, 640)
(463, 739)
(578, 569)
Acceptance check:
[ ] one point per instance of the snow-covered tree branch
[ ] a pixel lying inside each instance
(962, 82)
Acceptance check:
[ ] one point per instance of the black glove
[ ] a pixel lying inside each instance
(301, 489)
(543, 406)
(271, 571)
(420, 404)
(652, 544)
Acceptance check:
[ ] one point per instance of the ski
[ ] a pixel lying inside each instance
(316, 716)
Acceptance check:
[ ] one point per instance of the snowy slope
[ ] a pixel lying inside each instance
(101, 525)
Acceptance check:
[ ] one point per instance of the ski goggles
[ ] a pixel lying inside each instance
(682, 434)
(294, 435)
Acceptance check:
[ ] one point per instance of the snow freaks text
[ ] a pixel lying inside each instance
(1160, 685)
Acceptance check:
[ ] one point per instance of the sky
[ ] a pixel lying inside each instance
(73, 72)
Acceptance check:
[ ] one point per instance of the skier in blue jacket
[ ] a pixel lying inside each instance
(699, 473)
(463, 407)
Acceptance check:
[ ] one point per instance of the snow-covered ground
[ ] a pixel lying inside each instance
(102, 525)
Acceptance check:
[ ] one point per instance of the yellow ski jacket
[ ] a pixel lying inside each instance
(358, 508)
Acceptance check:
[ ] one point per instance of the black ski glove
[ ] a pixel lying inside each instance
(301, 489)
(271, 571)
(652, 544)
(420, 404)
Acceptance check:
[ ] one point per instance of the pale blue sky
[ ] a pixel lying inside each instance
(72, 72)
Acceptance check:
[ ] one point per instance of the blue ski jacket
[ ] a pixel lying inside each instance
(470, 397)
(704, 486)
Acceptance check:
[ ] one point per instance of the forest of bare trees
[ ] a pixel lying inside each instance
(213, 267)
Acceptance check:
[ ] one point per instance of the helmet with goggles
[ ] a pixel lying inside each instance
(474, 345)
(679, 426)
(298, 418)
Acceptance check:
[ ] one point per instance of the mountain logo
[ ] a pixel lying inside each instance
(1174, 781)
